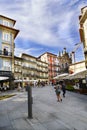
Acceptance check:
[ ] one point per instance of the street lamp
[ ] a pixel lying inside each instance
(74, 50)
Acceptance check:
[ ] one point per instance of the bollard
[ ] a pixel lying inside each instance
(29, 90)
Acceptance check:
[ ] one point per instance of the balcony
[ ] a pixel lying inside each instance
(5, 53)
(31, 61)
(7, 74)
(64, 70)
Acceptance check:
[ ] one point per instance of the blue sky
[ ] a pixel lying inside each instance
(45, 25)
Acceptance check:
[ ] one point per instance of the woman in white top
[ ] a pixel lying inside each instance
(58, 92)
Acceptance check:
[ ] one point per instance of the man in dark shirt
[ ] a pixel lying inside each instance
(63, 89)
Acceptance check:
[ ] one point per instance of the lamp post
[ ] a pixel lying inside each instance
(30, 101)
(74, 50)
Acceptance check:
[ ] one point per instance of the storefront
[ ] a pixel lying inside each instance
(6, 80)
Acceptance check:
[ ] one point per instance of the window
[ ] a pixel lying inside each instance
(15, 62)
(16, 69)
(6, 65)
(6, 23)
(19, 63)
(6, 36)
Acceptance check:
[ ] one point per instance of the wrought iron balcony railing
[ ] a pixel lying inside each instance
(5, 53)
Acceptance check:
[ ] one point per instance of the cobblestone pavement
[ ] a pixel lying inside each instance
(48, 114)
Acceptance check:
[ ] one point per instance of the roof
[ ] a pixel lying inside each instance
(16, 57)
(33, 57)
(15, 31)
(28, 55)
(83, 8)
(83, 61)
(41, 61)
(83, 17)
(8, 18)
(47, 53)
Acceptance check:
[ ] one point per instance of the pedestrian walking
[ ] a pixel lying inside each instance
(58, 88)
(64, 89)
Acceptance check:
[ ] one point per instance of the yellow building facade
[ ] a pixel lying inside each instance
(83, 30)
(7, 36)
(29, 69)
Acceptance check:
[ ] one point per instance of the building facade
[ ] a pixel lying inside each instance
(42, 70)
(29, 69)
(83, 30)
(7, 36)
(77, 67)
(64, 61)
(52, 61)
(18, 70)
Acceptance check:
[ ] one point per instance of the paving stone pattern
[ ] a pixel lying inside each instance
(48, 114)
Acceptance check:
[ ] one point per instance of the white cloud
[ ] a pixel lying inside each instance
(31, 51)
(46, 22)
(35, 20)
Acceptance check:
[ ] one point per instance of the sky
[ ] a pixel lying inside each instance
(45, 25)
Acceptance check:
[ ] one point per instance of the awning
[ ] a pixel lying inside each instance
(78, 75)
(20, 80)
(61, 76)
(3, 78)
